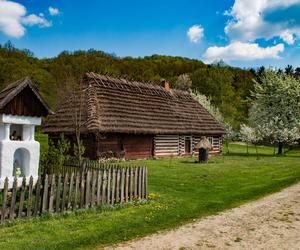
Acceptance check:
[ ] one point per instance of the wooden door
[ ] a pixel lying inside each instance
(187, 145)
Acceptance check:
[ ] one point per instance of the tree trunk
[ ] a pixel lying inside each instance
(280, 147)
(257, 157)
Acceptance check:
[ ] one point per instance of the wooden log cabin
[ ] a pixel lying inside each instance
(134, 120)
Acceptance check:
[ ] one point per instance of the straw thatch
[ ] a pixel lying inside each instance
(105, 104)
(203, 143)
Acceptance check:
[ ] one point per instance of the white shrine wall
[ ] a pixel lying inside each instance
(26, 150)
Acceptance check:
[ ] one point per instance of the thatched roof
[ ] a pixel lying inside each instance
(13, 90)
(115, 105)
(203, 143)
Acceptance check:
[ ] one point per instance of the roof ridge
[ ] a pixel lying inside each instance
(92, 104)
(124, 84)
(121, 80)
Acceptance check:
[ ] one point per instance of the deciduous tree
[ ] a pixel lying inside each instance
(275, 108)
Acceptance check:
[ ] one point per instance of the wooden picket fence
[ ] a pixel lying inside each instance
(57, 193)
(72, 166)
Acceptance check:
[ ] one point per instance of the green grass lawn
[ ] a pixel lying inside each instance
(186, 190)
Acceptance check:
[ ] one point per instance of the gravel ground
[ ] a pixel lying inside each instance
(272, 222)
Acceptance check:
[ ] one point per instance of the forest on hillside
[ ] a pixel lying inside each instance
(227, 87)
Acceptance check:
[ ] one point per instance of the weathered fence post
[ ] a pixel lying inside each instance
(4, 199)
(140, 182)
(65, 186)
(108, 186)
(13, 199)
(82, 190)
(136, 183)
(30, 197)
(113, 186)
(37, 204)
(99, 178)
(58, 193)
(70, 191)
(22, 197)
(45, 194)
(104, 182)
(76, 191)
(117, 199)
(87, 189)
(83, 167)
(122, 185)
(126, 184)
(94, 179)
(146, 182)
(130, 183)
(52, 193)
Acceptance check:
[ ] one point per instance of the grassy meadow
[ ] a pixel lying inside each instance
(181, 190)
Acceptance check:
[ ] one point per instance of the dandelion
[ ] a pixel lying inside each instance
(152, 196)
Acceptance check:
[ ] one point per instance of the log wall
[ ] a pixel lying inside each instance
(166, 145)
(131, 146)
(108, 143)
(216, 145)
(138, 146)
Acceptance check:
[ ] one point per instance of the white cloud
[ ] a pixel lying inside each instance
(10, 18)
(247, 21)
(242, 51)
(13, 19)
(36, 20)
(288, 37)
(53, 11)
(195, 33)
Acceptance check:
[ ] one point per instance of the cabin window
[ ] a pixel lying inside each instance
(187, 144)
(16, 132)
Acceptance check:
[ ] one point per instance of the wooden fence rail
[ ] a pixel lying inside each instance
(72, 166)
(57, 193)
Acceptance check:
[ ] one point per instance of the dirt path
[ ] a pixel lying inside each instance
(269, 223)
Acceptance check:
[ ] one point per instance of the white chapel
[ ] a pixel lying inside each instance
(21, 110)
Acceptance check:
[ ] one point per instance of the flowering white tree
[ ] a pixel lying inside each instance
(215, 112)
(205, 102)
(275, 109)
(183, 82)
(229, 136)
(249, 135)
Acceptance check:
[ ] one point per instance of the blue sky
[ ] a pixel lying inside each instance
(245, 33)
